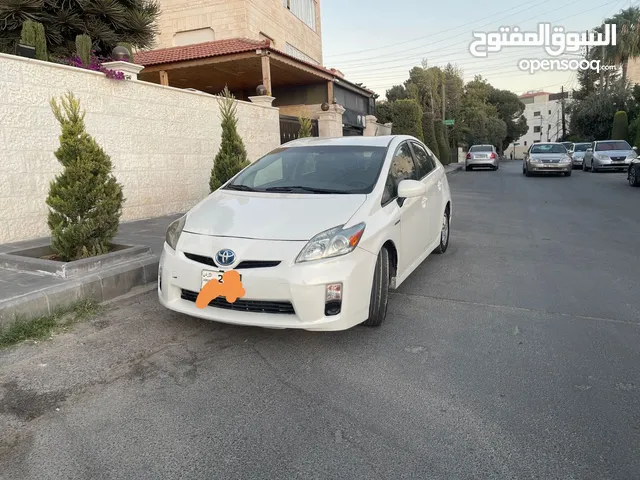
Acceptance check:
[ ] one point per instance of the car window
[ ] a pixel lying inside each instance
(402, 168)
(347, 169)
(426, 164)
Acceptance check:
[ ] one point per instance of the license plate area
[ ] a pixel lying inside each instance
(208, 275)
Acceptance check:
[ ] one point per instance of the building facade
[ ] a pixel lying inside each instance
(292, 26)
(543, 111)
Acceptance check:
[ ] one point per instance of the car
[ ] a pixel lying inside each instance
(609, 155)
(482, 156)
(545, 158)
(567, 145)
(578, 151)
(633, 173)
(319, 230)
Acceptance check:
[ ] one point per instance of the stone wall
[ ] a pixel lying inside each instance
(162, 140)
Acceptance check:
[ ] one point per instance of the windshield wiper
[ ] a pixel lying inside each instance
(243, 188)
(305, 189)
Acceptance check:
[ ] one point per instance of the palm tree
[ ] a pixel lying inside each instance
(107, 22)
(628, 39)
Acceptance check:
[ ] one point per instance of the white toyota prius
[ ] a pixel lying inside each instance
(319, 230)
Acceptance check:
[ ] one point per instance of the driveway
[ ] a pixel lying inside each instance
(514, 355)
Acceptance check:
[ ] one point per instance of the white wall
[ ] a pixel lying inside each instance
(162, 140)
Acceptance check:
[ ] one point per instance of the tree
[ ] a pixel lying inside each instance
(397, 92)
(107, 22)
(443, 152)
(384, 112)
(85, 200)
(306, 128)
(429, 133)
(628, 38)
(510, 110)
(232, 157)
(620, 128)
(83, 48)
(407, 118)
(496, 132)
(33, 34)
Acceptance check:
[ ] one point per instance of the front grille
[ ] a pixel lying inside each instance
(240, 305)
(243, 265)
(618, 159)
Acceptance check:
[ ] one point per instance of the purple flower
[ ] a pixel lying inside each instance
(95, 64)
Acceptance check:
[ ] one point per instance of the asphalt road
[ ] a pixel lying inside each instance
(514, 355)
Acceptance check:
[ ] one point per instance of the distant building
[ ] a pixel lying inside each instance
(543, 111)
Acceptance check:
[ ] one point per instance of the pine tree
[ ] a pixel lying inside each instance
(232, 156)
(85, 200)
(306, 128)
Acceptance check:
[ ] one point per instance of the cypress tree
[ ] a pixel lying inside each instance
(85, 200)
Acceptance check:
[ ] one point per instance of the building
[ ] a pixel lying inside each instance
(291, 26)
(543, 111)
(246, 43)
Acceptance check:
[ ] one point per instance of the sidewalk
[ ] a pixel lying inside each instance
(33, 294)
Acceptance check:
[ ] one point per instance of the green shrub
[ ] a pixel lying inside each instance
(232, 157)
(83, 48)
(443, 143)
(407, 118)
(306, 128)
(85, 200)
(384, 112)
(620, 130)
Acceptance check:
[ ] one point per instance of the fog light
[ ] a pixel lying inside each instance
(332, 308)
(334, 292)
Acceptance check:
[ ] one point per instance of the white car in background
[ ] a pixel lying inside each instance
(319, 229)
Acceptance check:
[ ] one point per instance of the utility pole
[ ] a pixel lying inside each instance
(602, 69)
(444, 101)
(588, 70)
(564, 124)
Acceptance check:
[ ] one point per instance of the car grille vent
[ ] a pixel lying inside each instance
(241, 305)
(243, 265)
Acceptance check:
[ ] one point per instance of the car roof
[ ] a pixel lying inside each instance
(381, 141)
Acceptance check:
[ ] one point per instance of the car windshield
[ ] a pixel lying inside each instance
(548, 148)
(481, 148)
(618, 145)
(581, 147)
(319, 169)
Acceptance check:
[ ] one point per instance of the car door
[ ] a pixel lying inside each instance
(429, 172)
(588, 156)
(410, 211)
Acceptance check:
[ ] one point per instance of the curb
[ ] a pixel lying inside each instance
(458, 167)
(101, 287)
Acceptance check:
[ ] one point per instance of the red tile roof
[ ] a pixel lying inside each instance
(533, 94)
(198, 50)
(219, 48)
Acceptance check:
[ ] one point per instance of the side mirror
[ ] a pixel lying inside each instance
(635, 149)
(411, 189)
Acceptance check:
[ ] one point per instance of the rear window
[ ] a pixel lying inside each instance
(481, 148)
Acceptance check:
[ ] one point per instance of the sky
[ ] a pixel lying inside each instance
(377, 42)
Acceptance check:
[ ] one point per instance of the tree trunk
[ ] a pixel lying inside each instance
(625, 64)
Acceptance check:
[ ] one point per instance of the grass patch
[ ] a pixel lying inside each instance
(41, 328)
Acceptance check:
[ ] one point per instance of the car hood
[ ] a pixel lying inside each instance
(578, 154)
(270, 216)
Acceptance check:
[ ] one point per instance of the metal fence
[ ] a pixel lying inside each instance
(290, 127)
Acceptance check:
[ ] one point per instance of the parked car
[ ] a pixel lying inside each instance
(319, 229)
(482, 156)
(578, 151)
(545, 158)
(633, 173)
(568, 146)
(609, 155)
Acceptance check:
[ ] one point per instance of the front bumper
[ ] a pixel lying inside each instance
(610, 165)
(577, 161)
(550, 167)
(297, 290)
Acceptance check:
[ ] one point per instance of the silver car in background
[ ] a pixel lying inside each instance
(578, 150)
(609, 155)
(550, 157)
(482, 156)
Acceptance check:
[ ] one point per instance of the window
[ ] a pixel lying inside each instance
(536, 129)
(549, 112)
(295, 53)
(340, 169)
(614, 145)
(536, 114)
(402, 168)
(549, 148)
(525, 143)
(426, 164)
(305, 10)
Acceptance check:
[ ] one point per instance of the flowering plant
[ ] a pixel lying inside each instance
(95, 64)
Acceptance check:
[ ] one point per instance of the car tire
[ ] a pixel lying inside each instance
(584, 166)
(444, 237)
(526, 172)
(634, 176)
(379, 290)
(568, 174)
(593, 168)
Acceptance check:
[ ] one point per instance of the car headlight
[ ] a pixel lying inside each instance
(331, 243)
(173, 232)
(631, 156)
(602, 156)
(565, 159)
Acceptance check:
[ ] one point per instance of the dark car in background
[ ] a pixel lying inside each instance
(633, 173)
